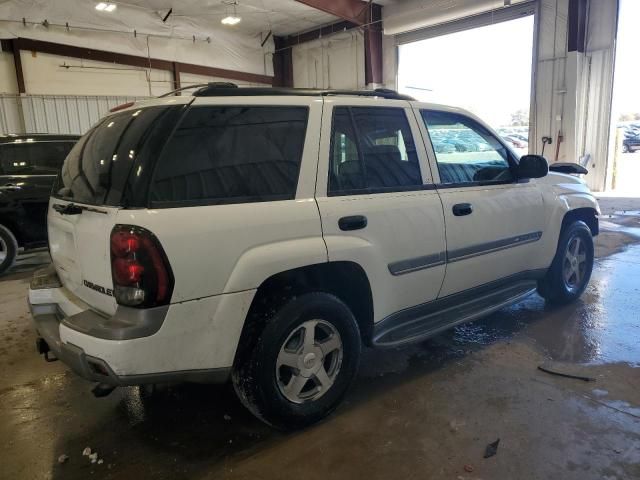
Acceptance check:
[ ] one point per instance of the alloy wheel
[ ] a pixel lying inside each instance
(309, 361)
(574, 265)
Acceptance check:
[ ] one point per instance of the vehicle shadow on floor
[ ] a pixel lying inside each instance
(184, 430)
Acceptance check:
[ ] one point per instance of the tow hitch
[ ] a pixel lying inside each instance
(42, 347)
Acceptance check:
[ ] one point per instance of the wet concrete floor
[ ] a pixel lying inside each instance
(426, 411)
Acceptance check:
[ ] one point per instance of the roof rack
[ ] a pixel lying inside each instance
(199, 86)
(223, 89)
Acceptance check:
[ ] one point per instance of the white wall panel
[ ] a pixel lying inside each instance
(333, 62)
(8, 82)
(54, 114)
(45, 75)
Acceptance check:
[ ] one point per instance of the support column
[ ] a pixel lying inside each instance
(282, 63)
(373, 47)
(17, 62)
(175, 70)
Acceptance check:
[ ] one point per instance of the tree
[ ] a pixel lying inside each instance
(520, 118)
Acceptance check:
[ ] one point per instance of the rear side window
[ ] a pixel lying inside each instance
(234, 154)
(37, 158)
(372, 150)
(97, 169)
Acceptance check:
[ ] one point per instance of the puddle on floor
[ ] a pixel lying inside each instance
(603, 326)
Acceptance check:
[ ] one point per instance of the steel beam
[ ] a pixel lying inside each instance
(352, 10)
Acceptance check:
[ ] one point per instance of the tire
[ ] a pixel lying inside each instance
(625, 148)
(8, 249)
(566, 279)
(279, 379)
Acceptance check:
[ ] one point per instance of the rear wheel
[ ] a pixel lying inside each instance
(625, 148)
(571, 269)
(8, 249)
(302, 363)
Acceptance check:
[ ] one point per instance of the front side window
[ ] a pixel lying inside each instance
(372, 150)
(33, 158)
(466, 152)
(232, 154)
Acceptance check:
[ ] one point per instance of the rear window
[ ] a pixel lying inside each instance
(98, 168)
(37, 158)
(231, 154)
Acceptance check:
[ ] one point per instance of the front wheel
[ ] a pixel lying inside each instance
(302, 362)
(8, 249)
(572, 265)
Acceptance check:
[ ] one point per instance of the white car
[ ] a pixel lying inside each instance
(265, 235)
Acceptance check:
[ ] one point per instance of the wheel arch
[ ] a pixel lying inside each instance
(13, 228)
(588, 215)
(344, 279)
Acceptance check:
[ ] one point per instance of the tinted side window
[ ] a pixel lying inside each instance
(372, 150)
(37, 158)
(232, 154)
(466, 152)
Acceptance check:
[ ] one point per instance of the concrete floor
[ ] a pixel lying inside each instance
(427, 411)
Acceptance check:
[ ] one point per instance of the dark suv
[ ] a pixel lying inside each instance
(29, 165)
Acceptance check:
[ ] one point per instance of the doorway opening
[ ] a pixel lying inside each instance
(625, 117)
(486, 70)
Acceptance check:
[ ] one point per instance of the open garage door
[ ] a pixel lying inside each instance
(482, 63)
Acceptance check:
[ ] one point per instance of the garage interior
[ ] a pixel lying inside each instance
(424, 411)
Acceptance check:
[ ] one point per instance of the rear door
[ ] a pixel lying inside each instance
(377, 201)
(105, 171)
(493, 222)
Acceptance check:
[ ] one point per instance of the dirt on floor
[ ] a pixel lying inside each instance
(425, 411)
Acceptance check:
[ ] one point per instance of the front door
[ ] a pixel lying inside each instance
(377, 201)
(493, 222)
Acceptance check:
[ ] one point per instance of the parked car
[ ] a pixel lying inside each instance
(516, 142)
(631, 143)
(29, 165)
(265, 235)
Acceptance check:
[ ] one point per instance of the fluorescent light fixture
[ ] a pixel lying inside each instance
(231, 20)
(106, 7)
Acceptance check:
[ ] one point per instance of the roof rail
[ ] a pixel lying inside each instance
(223, 89)
(199, 86)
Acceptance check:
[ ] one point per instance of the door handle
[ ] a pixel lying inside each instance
(461, 209)
(355, 222)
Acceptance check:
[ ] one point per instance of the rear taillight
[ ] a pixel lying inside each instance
(141, 273)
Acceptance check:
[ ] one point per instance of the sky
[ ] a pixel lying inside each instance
(486, 70)
(626, 89)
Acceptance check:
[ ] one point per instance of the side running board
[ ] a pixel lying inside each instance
(418, 323)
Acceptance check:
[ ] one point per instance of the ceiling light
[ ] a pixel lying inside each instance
(232, 19)
(106, 7)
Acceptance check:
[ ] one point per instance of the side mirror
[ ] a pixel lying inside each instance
(532, 166)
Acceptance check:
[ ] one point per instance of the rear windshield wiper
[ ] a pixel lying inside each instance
(73, 209)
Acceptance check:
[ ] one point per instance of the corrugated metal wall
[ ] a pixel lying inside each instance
(54, 113)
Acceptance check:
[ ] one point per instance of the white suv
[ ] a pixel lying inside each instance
(264, 235)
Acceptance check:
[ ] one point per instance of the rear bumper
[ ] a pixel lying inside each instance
(47, 323)
(192, 341)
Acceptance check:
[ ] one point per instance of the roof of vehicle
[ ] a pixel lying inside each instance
(36, 137)
(227, 89)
